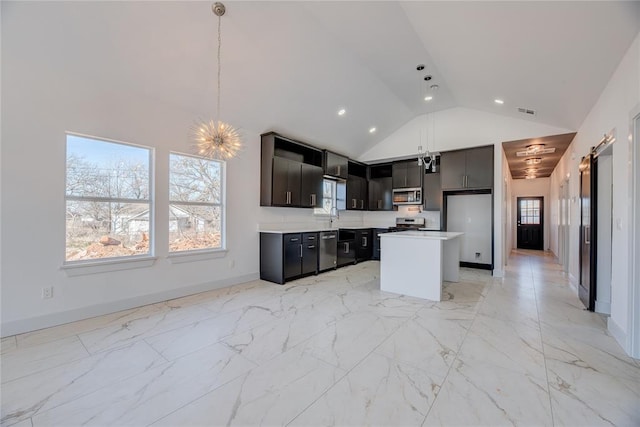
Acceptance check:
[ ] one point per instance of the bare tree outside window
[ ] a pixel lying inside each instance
(107, 199)
(196, 215)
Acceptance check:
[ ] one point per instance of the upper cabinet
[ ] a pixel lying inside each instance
(357, 187)
(335, 165)
(431, 192)
(407, 174)
(290, 173)
(467, 169)
(381, 187)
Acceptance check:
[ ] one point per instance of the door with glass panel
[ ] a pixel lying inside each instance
(530, 223)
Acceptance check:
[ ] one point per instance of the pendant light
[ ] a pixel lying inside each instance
(216, 139)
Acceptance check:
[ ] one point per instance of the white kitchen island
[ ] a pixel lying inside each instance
(415, 263)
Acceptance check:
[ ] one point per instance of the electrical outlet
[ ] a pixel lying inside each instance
(47, 292)
(477, 255)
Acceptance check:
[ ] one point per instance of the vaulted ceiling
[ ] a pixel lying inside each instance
(290, 66)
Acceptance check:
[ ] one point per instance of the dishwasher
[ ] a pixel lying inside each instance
(328, 254)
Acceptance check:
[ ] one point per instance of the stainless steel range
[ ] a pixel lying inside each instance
(412, 223)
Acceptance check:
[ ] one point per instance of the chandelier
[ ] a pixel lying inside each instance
(214, 138)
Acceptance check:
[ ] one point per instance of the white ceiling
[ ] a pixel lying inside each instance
(289, 66)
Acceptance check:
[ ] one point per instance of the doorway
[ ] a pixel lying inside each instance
(530, 225)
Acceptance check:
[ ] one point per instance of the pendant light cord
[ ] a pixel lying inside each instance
(219, 65)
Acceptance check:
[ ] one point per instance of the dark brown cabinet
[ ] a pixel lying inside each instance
(288, 256)
(357, 187)
(467, 169)
(311, 186)
(380, 187)
(431, 192)
(407, 174)
(364, 245)
(290, 173)
(335, 165)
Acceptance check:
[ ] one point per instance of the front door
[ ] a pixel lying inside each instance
(530, 223)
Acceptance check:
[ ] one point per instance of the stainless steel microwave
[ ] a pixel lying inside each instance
(407, 196)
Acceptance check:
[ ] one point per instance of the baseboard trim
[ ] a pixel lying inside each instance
(616, 331)
(476, 265)
(21, 326)
(573, 282)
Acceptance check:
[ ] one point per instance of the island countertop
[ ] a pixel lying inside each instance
(433, 235)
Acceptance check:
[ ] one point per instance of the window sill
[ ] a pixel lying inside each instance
(196, 255)
(81, 268)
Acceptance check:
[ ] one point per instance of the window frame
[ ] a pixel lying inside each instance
(200, 253)
(97, 265)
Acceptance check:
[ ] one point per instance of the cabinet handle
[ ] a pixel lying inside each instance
(300, 251)
(361, 204)
(346, 247)
(288, 197)
(294, 240)
(354, 203)
(311, 247)
(364, 241)
(311, 237)
(338, 170)
(587, 237)
(313, 200)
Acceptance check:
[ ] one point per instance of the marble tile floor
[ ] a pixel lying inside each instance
(333, 350)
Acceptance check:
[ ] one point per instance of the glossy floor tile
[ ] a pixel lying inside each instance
(333, 349)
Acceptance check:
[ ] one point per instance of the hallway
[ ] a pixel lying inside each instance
(333, 350)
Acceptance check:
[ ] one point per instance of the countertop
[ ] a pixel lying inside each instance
(320, 229)
(432, 235)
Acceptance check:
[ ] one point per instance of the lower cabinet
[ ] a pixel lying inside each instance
(346, 247)
(375, 253)
(364, 245)
(288, 256)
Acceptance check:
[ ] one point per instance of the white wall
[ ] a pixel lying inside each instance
(507, 210)
(620, 97)
(538, 187)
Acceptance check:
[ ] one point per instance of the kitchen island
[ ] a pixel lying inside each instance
(415, 263)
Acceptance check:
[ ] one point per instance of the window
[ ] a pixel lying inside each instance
(107, 198)
(530, 211)
(196, 214)
(333, 194)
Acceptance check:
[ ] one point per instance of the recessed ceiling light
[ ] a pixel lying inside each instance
(427, 77)
(420, 67)
(498, 101)
(530, 177)
(341, 112)
(428, 98)
(372, 130)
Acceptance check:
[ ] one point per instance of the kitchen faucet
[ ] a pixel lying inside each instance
(333, 215)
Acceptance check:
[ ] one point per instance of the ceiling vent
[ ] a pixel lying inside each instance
(527, 111)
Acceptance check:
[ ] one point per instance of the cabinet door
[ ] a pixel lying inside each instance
(292, 258)
(399, 175)
(363, 245)
(353, 192)
(375, 201)
(452, 170)
(310, 253)
(336, 165)
(311, 186)
(479, 167)
(414, 174)
(280, 182)
(386, 194)
(432, 192)
(363, 195)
